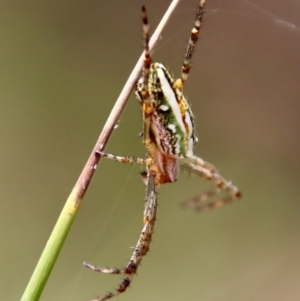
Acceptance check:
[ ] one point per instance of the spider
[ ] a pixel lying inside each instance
(169, 137)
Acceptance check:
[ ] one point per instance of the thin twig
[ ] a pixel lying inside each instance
(48, 258)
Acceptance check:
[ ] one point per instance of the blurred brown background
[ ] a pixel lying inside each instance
(63, 64)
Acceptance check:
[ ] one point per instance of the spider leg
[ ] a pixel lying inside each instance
(126, 159)
(222, 185)
(200, 162)
(147, 58)
(186, 67)
(141, 248)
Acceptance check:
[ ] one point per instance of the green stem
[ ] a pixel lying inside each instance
(51, 251)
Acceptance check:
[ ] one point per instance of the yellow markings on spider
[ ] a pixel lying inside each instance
(169, 138)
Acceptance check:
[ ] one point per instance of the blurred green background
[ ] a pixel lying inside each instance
(63, 64)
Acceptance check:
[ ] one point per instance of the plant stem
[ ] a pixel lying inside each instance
(48, 258)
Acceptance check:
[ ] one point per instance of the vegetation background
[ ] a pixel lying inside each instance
(63, 64)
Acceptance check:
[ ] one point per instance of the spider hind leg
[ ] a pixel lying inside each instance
(186, 67)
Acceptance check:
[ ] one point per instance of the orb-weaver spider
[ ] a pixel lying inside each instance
(169, 137)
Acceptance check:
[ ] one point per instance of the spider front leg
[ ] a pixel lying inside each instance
(141, 248)
(210, 174)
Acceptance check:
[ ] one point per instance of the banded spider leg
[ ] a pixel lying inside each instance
(141, 248)
(221, 185)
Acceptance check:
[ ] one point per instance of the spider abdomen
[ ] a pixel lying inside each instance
(172, 121)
